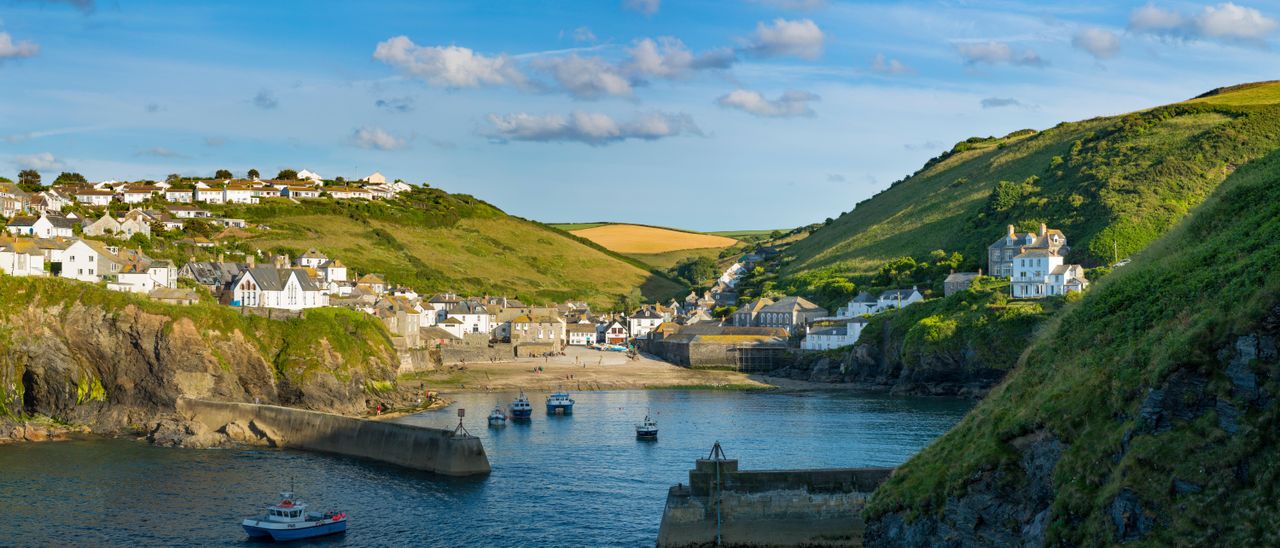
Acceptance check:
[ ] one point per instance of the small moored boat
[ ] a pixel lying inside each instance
(290, 520)
(521, 409)
(647, 429)
(497, 417)
(559, 403)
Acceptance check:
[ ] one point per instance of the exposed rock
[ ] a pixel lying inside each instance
(266, 433)
(1130, 520)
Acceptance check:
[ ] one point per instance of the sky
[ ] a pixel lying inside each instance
(706, 115)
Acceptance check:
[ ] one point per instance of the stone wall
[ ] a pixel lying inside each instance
(768, 508)
(416, 447)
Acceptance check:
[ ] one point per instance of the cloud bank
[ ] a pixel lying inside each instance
(592, 128)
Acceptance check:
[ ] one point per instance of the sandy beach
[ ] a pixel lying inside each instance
(579, 369)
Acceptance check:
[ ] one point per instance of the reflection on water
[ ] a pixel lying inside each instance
(557, 481)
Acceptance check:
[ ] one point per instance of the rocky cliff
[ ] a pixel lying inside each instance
(84, 355)
(1144, 413)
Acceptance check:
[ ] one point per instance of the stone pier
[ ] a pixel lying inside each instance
(431, 449)
(767, 507)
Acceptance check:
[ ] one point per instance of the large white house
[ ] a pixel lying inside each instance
(139, 278)
(270, 287)
(1038, 273)
(20, 257)
(898, 298)
(472, 316)
(88, 261)
(641, 323)
(827, 338)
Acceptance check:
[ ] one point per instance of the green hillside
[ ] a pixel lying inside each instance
(1111, 184)
(431, 241)
(1144, 412)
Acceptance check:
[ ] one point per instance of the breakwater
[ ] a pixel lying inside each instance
(431, 449)
(820, 507)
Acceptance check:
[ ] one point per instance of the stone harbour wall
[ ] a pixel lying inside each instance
(430, 449)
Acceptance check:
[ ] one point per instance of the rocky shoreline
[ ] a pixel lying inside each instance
(864, 367)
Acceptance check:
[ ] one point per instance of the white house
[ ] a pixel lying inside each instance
(333, 271)
(21, 258)
(312, 259)
(827, 338)
(22, 226)
(55, 200)
(239, 194)
(348, 193)
(134, 194)
(475, 318)
(898, 298)
(94, 197)
(581, 334)
(298, 191)
(1038, 273)
(106, 225)
(189, 212)
(308, 175)
(375, 178)
(614, 332)
(210, 195)
(88, 261)
(179, 195)
(861, 305)
(642, 322)
(144, 279)
(270, 287)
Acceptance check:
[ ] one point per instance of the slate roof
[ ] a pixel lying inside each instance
(270, 278)
(897, 294)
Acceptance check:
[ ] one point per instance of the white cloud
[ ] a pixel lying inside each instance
(1227, 22)
(43, 161)
(647, 7)
(16, 50)
(376, 138)
(799, 38)
(586, 77)
(790, 104)
(668, 57)
(395, 104)
(1231, 22)
(1099, 42)
(583, 34)
(592, 128)
(994, 52)
(883, 65)
(448, 66)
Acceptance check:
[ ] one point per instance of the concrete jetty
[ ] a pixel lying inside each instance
(730, 507)
(431, 449)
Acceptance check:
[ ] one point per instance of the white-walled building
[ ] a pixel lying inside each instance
(88, 261)
(837, 336)
(44, 226)
(94, 197)
(1038, 273)
(179, 195)
(375, 178)
(270, 287)
(473, 316)
(581, 334)
(21, 257)
(898, 298)
(641, 323)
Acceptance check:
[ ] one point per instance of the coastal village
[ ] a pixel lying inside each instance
(43, 240)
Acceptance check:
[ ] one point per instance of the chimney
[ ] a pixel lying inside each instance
(248, 259)
(1010, 231)
(1044, 230)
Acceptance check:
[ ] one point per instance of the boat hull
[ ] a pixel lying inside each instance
(297, 533)
(559, 409)
(647, 435)
(521, 414)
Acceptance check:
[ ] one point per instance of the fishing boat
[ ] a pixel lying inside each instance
(290, 520)
(521, 409)
(497, 417)
(647, 429)
(559, 403)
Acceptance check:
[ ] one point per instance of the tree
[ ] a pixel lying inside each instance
(29, 180)
(223, 174)
(69, 178)
(696, 270)
(172, 178)
(253, 174)
(287, 175)
(775, 235)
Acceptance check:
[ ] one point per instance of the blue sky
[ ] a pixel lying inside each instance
(697, 114)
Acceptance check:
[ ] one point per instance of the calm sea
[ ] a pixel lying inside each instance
(559, 481)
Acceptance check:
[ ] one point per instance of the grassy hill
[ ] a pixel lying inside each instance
(1144, 412)
(1112, 184)
(435, 241)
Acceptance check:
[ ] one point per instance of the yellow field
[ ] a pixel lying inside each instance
(647, 239)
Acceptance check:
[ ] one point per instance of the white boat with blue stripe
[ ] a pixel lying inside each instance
(290, 520)
(559, 403)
